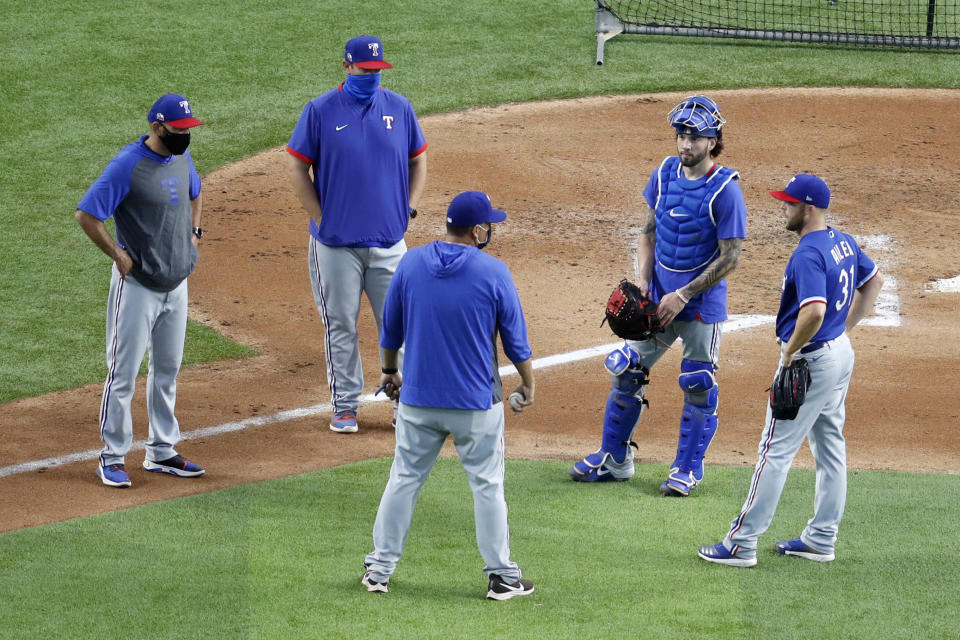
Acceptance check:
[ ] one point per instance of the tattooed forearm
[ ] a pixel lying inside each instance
(717, 270)
(649, 222)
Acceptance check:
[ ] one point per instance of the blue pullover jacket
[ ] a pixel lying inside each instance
(447, 303)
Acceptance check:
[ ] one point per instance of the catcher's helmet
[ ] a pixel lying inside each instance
(698, 115)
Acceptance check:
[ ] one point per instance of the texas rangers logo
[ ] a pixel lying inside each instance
(185, 106)
(374, 49)
(389, 120)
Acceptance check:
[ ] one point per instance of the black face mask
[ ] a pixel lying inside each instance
(176, 143)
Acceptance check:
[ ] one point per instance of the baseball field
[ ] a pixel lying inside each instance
(269, 543)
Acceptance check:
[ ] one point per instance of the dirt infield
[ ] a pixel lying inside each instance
(569, 174)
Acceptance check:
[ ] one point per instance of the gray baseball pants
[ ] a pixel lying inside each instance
(339, 276)
(140, 320)
(421, 432)
(821, 419)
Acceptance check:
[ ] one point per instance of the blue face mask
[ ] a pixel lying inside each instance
(362, 87)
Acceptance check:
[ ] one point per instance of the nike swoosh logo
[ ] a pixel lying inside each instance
(343, 126)
(815, 359)
(517, 587)
(602, 472)
(674, 214)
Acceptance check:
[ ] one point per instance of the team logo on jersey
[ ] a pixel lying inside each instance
(374, 49)
(389, 120)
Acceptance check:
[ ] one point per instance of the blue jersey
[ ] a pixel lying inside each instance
(447, 303)
(827, 266)
(722, 208)
(149, 197)
(360, 156)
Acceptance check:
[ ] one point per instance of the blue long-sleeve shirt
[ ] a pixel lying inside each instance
(447, 303)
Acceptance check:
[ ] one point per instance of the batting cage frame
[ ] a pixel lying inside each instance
(933, 24)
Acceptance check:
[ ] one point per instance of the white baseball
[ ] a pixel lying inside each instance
(515, 399)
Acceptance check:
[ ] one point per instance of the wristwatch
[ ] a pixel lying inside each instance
(197, 231)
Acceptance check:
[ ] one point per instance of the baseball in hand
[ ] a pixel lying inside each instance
(515, 399)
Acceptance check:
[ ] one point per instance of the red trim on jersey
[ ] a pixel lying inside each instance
(875, 272)
(712, 169)
(822, 301)
(420, 150)
(299, 156)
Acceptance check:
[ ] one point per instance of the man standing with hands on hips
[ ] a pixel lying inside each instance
(447, 303)
(829, 286)
(368, 156)
(152, 191)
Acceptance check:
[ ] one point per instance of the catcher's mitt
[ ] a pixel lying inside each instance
(789, 390)
(631, 315)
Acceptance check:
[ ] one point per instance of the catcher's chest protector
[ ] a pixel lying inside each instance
(686, 230)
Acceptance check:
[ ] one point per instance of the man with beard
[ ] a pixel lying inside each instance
(829, 285)
(690, 240)
(152, 191)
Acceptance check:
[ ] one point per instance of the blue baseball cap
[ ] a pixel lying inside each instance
(471, 208)
(366, 52)
(806, 188)
(173, 109)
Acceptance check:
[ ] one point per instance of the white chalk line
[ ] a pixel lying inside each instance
(945, 285)
(736, 323)
(887, 307)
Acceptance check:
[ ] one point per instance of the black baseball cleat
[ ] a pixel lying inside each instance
(500, 589)
(175, 466)
(372, 585)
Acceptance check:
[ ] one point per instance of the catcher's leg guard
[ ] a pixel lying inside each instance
(613, 462)
(698, 424)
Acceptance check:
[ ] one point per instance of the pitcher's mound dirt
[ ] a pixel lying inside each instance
(569, 173)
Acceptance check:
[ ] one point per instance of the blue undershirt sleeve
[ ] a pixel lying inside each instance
(730, 212)
(195, 181)
(108, 191)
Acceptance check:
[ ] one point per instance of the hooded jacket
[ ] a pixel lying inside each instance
(447, 303)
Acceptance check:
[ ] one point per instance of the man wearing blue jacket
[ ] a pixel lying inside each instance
(446, 305)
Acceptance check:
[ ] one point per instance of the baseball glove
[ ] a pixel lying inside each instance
(630, 314)
(789, 390)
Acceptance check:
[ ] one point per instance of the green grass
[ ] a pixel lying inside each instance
(282, 559)
(76, 81)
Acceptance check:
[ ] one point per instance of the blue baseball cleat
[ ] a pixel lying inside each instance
(344, 421)
(113, 475)
(680, 483)
(796, 547)
(721, 555)
(601, 467)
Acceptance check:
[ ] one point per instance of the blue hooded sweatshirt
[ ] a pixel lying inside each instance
(447, 303)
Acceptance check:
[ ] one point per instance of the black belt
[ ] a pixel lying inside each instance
(813, 346)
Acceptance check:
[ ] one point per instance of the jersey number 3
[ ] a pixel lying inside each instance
(846, 282)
